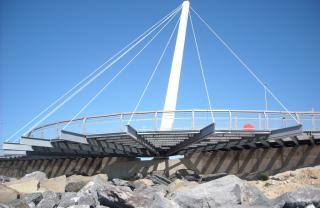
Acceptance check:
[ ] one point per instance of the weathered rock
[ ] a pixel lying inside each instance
(158, 188)
(305, 196)
(79, 206)
(137, 176)
(47, 203)
(32, 205)
(189, 175)
(51, 195)
(161, 202)
(76, 182)
(115, 196)
(101, 177)
(98, 183)
(24, 185)
(150, 196)
(86, 199)
(119, 182)
(82, 173)
(68, 199)
(4, 179)
(50, 200)
(57, 184)
(7, 194)
(145, 182)
(37, 175)
(19, 204)
(229, 191)
(159, 179)
(210, 177)
(150, 199)
(4, 206)
(32, 198)
(178, 184)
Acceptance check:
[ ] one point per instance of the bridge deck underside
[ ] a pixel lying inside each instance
(159, 144)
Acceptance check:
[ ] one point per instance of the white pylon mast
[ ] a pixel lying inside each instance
(173, 85)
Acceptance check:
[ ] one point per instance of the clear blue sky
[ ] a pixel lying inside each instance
(47, 46)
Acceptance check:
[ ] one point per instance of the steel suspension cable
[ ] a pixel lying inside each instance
(100, 72)
(201, 67)
(90, 75)
(153, 73)
(244, 65)
(105, 86)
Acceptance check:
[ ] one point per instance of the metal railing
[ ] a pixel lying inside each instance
(183, 120)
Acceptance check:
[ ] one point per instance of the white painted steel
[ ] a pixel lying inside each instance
(20, 147)
(72, 137)
(35, 142)
(195, 119)
(173, 85)
(14, 152)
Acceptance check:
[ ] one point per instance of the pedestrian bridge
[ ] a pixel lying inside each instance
(169, 131)
(193, 131)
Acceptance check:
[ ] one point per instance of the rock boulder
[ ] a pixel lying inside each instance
(303, 197)
(229, 191)
(27, 185)
(7, 194)
(115, 196)
(76, 182)
(37, 175)
(189, 175)
(57, 184)
(178, 184)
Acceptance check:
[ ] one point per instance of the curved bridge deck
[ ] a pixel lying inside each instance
(270, 131)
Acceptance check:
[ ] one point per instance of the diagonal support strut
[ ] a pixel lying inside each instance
(204, 133)
(133, 134)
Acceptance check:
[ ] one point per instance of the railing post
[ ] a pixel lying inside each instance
(266, 121)
(58, 130)
(156, 121)
(313, 121)
(236, 122)
(193, 121)
(284, 121)
(230, 120)
(260, 121)
(84, 127)
(121, 122)
(298, 117)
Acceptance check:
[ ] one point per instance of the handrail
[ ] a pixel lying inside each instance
(177, 111)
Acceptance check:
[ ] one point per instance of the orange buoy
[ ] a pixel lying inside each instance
(248, 127)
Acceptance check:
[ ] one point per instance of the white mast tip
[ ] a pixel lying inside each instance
(185, 2)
